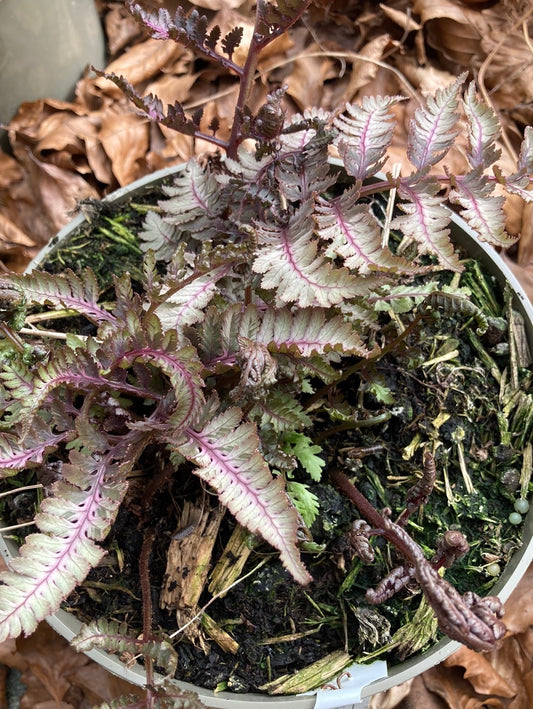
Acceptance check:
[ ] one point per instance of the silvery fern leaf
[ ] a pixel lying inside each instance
(158, 236)
(290, 264)
(426, 220)
(519, 182)
(17, 454)
(193, 203)
(433, 130)
(186, 305)
(482, 209)
(484, 130)
(65, 290)
(355, 235)
(53, 561)
(308, 332)
(365, 133)
(281, 411)
(117, 638)
(226, 453)
(190, 30)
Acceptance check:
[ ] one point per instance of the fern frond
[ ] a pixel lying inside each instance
(193, 203)
(426, 221)
(231, 41)
(281, 411)
(142, 341)
(226, 452)
(30, 386)
(402, 298)
(159, 236)
(290, 264)
(365, 133)
(305, 501)
(151, 106)
(114, 637)
(484, 130)
(65, 290)
(17, 453)
(519, 182)
(308, 332)
(302, 169)
(482, 209)
(433, 130)
(186, 305)
(54, 561)
(189, 30)
(355, 235)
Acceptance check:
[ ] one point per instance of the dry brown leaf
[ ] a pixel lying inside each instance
(140, 63)
(218, 4)
(46, 674)
(402, 19)
(364, 72)
(58, 191)
(480, 673)
(120, 28)
(392, 697)
(10, 171)
(306, 81)
(456, 692)
(124, 137)
(99, 686)
(11, 235)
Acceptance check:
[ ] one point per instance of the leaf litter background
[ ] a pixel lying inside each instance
(64, 152)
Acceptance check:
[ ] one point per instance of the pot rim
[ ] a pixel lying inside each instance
(68, 626)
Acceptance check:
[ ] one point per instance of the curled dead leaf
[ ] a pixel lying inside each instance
(124, 137)
(141, 63)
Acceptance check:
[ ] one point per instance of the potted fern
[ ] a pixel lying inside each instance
(285, 327)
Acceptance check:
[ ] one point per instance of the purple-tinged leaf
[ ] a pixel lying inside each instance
(433, 130)
(54, 561)
(65, 290)
(194, 202)
(365, 133)
(232, 40)
(308, 332)
(186, 305)
(227, 455)
(17, 454)
(520, 181)
(355, 235)
(484, 130)
(482, 209)
(290, 263)
(426, 220)
(118, 638)
(158, 25)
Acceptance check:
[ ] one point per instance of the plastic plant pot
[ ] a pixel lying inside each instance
(385, 677)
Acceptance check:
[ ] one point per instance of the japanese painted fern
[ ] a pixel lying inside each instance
(274, 268)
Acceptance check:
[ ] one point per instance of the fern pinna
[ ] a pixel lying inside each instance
(263, 273)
